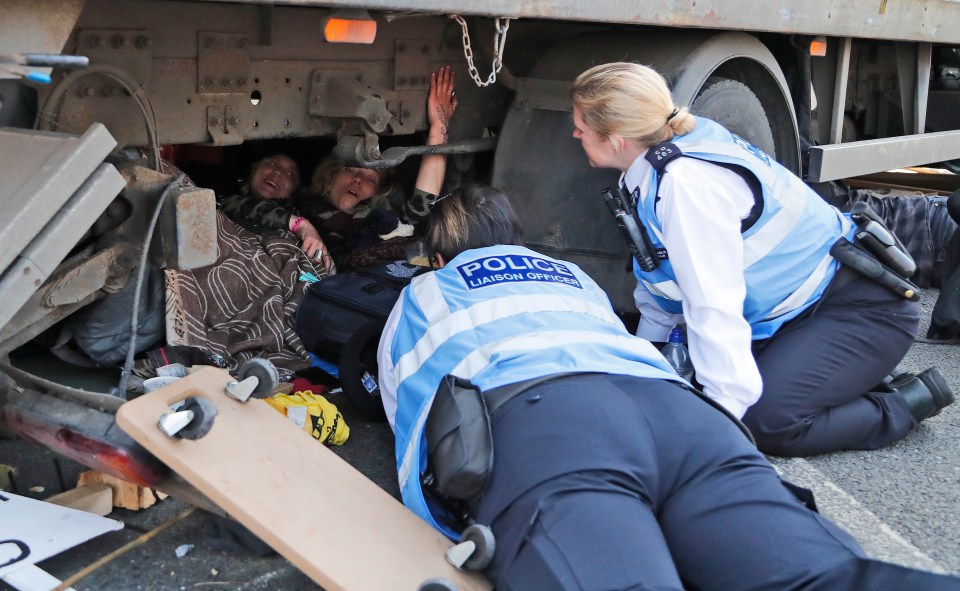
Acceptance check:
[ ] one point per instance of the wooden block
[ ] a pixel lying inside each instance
(93, 498)
(126, 495)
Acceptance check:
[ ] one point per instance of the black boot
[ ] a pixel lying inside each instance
(953, 205)
(926, 393)
(945, 318)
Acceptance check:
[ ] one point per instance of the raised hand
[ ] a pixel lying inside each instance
(441, 103)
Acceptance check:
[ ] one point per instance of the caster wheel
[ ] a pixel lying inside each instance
(266, 374)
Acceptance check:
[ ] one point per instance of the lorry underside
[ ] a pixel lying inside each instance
(212, 85)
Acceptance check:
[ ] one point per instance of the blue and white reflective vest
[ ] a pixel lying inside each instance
(786, 252)
(497, 316)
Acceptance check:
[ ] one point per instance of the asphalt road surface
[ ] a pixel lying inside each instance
(901, 503)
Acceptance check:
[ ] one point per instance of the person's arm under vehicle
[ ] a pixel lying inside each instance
(441, 105)
(255, 214)
(702, 205)
(310, 242)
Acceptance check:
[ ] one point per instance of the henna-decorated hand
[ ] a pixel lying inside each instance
(442, 100)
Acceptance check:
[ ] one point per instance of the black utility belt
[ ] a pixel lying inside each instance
(460, 441)
(867, 265)
(844, 277)
(877, 254)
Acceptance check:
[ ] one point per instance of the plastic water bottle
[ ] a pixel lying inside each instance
(677, 355)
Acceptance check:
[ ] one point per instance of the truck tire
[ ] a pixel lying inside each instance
(733, 105)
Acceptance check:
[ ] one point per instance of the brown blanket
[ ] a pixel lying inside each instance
(245, 304)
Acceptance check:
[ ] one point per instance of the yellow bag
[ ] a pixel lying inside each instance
(326, 424)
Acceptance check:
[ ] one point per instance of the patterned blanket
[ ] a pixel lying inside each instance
(245, 304)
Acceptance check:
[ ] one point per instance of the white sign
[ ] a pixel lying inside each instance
(31, 530)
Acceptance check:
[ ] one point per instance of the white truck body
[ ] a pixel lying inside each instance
(227, 75)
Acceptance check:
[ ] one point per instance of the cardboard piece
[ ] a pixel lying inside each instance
(328, 519)
(33, 578)
(35, 530)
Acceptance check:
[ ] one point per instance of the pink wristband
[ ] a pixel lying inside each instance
(297, 221)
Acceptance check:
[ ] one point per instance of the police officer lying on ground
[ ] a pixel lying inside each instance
(613, 476)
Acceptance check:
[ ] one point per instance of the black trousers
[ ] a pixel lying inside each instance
(819, 373)
(613, 482)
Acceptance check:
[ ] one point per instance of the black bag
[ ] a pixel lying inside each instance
(341, 318)
(459, 441)
(102, 329)
(459, 437)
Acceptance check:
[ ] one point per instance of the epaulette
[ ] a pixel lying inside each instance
(661, 154)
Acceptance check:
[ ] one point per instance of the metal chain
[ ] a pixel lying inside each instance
(499, 42)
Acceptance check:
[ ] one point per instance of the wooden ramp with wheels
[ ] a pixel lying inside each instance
(328, 519)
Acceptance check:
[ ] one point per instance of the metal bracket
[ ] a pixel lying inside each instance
(223, 63)
(223, 125)
(458, 554)
(131, 49)
(192, 420)
(92, 275)
(343, 93)
(411, 64)
(243, 389)
(257, 378)
(172, 423)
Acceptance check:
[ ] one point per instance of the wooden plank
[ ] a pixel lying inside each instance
(328, 519)
(895, 190)
(921, 182)
(93, 498)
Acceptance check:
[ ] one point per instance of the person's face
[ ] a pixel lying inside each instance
(275, 178)
(599, 150)
(351, 186)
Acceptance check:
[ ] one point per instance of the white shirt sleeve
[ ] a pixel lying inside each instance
(385, 367)
(701, 206)
(655, 322)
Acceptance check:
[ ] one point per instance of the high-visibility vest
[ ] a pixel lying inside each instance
(498, 316)
(786, 258)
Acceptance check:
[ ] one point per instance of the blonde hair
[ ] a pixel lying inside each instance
(323, 176)
(629, 100)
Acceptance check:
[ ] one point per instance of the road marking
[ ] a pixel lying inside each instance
(879, 540)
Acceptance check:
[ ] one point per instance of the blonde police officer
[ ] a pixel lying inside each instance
(744, 251)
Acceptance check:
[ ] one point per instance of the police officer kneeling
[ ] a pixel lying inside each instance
(615, 477)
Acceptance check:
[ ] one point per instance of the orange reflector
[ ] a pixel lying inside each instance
(345, 30)
(818, 47)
